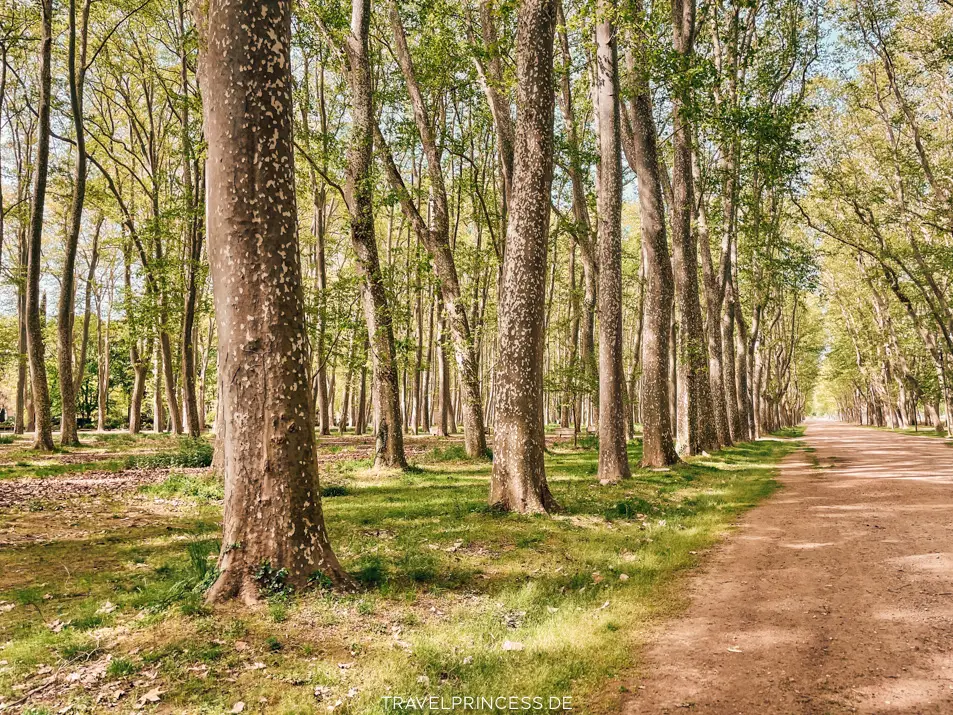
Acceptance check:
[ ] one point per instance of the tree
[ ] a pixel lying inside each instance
(613, 456)
(696, 419)
(436, 238)
(76, 69)
(34, 325)
(360, 195)
(641, 148)
(519, 475)
(274, 526)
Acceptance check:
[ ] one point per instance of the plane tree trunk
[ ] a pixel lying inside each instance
(613, 457)
(273, 516)
(519, 482)
(380, 329)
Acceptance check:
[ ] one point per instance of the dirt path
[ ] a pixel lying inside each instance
(835, 596)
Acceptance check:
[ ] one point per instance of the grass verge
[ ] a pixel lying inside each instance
(458, 600)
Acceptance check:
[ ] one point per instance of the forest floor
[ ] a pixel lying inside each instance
(105, 550)
(835, 596)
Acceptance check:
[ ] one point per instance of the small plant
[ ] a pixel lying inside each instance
(274, 645)
(334, 490)
(6, 439)
(191, 453)
(272, 581)
(371, 571)
(195, 486)
(120, 668)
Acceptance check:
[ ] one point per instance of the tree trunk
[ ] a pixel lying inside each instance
(641, 143)
(19, 423)
(519, 475)
(90, 279)
(193, 239)
(273, 515)
(696, 420)
(41, 396)
(76, 71)
(613, 456)
(390, 439)
(436, 238)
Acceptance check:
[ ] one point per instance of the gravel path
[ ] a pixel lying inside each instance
(835, 596)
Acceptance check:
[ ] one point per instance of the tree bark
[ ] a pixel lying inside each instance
(273, 515)
(695, 419)
(43, 439)
(380, 330)
(519, 475)
(76, 72)
(436, 239)
(641, 145)
(613, 455)
(194, 239)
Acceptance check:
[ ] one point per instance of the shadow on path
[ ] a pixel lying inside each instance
(835, 596)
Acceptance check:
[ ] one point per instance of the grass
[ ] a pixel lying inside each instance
(446, 582)
(919, 431)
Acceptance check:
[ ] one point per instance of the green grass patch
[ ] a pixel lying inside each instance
(446, 582)
(201, 487)
(189, 453)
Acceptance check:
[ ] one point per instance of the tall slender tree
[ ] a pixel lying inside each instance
(43, 439)
(613, 457)
(641, 148)
(696, 419)
(360, 193)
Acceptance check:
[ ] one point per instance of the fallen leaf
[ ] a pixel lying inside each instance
(735, 649)
(153, 696)
(238, 707)
(512, 645)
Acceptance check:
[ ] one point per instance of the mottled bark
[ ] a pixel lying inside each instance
(380, 330)
(519, 482)
(613, 456)
(695, 419)
(581, 229)
(43, 439)
(273, 515)
(714, 300)
(728, 363)
(641, 149)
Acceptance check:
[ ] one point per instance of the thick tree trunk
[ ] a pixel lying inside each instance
(519, 475)
(613, 456)
(34, 325)
(641, 143)
(380, 330)
(273, 516)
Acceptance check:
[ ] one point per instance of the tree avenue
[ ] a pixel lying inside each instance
(373, 233)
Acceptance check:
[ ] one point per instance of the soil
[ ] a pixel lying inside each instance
(834, 596)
